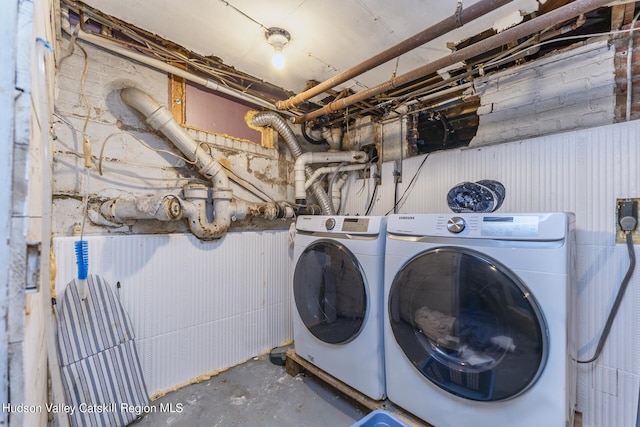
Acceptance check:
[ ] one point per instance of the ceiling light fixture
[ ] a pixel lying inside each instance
(278, 38)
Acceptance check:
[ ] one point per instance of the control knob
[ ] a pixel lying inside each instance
(330, 223)
(456, 224)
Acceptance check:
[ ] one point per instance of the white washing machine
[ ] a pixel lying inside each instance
(338, 294)
(478, 318)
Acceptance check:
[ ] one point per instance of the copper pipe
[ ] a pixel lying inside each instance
(549, 19)
(461, 17)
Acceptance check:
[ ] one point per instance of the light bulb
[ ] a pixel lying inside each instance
(278, 60)
(277, 38)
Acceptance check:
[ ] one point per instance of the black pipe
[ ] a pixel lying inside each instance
(309, 138)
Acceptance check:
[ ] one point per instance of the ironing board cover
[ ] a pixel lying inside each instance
(101, 372)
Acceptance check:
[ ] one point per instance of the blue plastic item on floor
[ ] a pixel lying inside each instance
(379, 418)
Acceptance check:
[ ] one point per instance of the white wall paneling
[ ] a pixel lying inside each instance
(196, 307)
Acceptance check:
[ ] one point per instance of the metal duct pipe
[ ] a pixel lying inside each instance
(268, 118)
(524, 29)
(461, 17)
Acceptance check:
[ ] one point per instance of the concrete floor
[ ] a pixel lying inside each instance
(256, 393)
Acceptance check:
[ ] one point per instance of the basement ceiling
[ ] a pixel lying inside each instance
(329, 37)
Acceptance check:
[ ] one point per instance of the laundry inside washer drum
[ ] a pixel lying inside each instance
(479, 197)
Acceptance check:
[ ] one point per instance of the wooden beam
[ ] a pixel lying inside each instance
(621, 15)
(296, 365)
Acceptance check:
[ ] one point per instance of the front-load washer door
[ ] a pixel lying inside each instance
(468, 324)
(329, 292)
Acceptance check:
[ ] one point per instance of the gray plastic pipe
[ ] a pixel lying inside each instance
(269, 118)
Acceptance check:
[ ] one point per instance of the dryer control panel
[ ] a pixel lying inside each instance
(456, 224)
(510, 226)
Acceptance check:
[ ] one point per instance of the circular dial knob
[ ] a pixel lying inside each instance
(456, 224)
(330, 223)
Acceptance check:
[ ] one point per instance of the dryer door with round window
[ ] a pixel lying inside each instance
(468, 324)
(329, 292)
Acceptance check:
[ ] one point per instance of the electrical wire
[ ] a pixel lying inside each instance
(85, 200)
(510, 55)
(137, 178)
(617, 302)
(373, 198)
(83, 92)
(243, 14)
(67, 122)
(566, 38)
(228, 77)
(244, 183)
(247, 185)
(144, 144)
(407, 191)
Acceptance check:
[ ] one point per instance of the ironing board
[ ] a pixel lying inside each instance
(101, 371)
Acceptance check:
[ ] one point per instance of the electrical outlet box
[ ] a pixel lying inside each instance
(620, 237)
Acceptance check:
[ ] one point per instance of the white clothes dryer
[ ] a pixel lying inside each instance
(478, 318)
(338, 294)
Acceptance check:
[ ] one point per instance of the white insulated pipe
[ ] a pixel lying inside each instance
(124, 209)
(336, 192)
(308, 158)
(161, 119)
(333, 136)
(318, 173)
(195, 209)
(196, 196)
